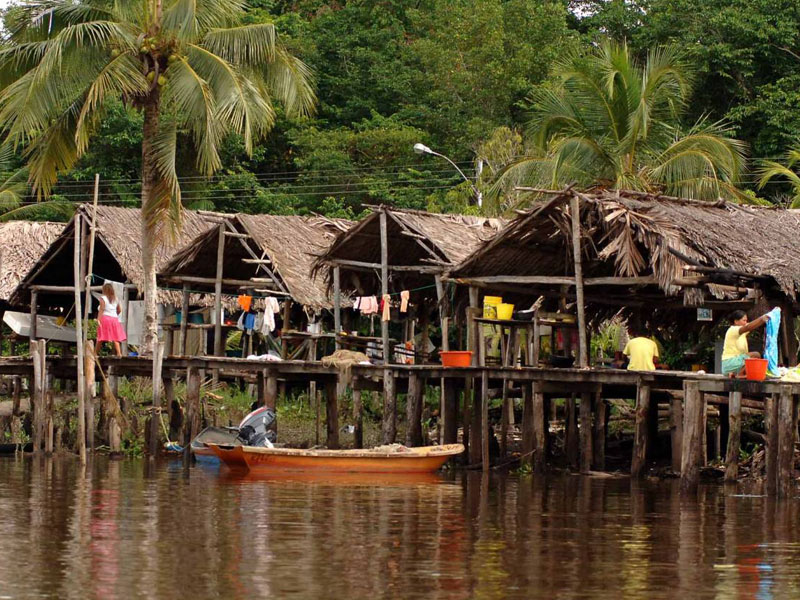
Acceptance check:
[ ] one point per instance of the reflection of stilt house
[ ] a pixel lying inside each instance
(260, 257)
(49, 284)
(22, 243)
(394, 250)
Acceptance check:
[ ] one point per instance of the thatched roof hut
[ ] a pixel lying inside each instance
(420, 245)
(643, 250)
(22, 243)
(117, 256)
(279, 251)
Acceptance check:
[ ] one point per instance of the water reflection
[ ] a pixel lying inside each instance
(124, 530)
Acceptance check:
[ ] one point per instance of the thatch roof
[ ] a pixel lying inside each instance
(679, 244)
(22, 243)
(291, 244)
(118, 250)
(415, 238)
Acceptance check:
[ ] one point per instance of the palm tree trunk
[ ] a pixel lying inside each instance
(149, 230)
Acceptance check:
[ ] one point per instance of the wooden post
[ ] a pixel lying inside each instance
(641, 430)
(414, 411)
(337, 305)
(38, 394)
(89, 394)
(734, 436)
(125, 298)
(576, 250)
(450, 413)
(34, 309)
(184, 319)
(218, 342)
(332, 415)
(444, 413)
(89, 269)
(76, 271)
(694, 408)
(676, 431)
(271, 390)
(485, 427)
(191, 423)
(571, 433)
(389, 427)
(786, 439)
(587, 445)
(155, 416)
(528, 435)
(772, 409)
(315, 400)
(358, 417)
(540, 427)
(599, 455)
(287, 312)
(172, 406)
(387, 352)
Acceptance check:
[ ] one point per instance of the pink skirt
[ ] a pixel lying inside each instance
(110, 330)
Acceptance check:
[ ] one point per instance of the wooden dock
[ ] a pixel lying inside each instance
(586, 391)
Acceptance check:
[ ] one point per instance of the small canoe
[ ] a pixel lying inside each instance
(395, 460)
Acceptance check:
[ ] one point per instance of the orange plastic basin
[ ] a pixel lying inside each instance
(456, 358)
(755, 368)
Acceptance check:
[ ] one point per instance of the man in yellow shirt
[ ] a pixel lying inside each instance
(642, 353)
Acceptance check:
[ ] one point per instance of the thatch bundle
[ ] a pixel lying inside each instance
(22, 243)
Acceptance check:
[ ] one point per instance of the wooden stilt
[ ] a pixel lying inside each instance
(641, 430)
(450, 414)
(414, 411)
(676, 431)
(771, 412)
(540, 427)
(485, 427)
(528, 435)
(389, 427)
(694, 409)
(270, 390)
(125, 297)
(337, 306)
(506, 408)
(37, 394)
(476, 425)
(587, 445)
(599, 439)
(76, 271)
(787, 435)
(576, 251)
(466, 413)
(218, 341)
(387, 351)
(734, 436)
(332, 415)
(34, 319)
(571, 432)
(184, 319)
(191, 423)
(358, 417)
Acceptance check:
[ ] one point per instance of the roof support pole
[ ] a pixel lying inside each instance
(184, 319)
(218, 292)
(76, 271)
(337, 305)
(576, 251)
(387, 354)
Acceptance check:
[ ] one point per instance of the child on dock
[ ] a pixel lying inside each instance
(109, 328)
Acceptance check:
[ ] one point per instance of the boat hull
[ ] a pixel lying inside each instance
(412, 460)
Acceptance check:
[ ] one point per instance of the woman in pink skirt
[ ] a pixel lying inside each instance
(109, 328)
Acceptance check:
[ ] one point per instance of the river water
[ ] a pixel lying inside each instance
(127, 529)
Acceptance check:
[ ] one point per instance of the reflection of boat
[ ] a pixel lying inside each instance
(392, 460)
(333, 478)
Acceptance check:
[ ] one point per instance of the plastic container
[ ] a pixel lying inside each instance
(755, 368)
(505, 311)
(490, 306)
(456, 358)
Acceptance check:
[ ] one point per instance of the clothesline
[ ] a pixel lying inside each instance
(96, 277)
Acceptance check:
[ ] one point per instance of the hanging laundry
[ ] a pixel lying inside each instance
(249, 321)
(244, 301)
(771, 339)
(271, 305)
(386, 304)
(240, 322)
(368, 305)
(404, 301)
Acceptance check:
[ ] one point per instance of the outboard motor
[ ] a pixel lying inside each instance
(257, 428)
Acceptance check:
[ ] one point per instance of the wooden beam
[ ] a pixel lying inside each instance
(236, 234)
(257, 261)
(427, 269)
(387, 351)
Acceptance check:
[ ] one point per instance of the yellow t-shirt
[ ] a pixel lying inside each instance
(735, 343)
(640, 352)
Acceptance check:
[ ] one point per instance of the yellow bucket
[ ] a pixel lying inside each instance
(505, 311)
(490, 304)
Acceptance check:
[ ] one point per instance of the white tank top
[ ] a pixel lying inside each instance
(110, 309)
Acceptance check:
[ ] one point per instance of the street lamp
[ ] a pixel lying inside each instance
(423, 149)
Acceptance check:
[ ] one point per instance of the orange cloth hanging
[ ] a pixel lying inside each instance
(404, 301)
(244, 302)
(387, 303)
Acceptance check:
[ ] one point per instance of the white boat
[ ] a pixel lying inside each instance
(46, 327)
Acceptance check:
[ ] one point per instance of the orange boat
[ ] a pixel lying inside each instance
(394, 460)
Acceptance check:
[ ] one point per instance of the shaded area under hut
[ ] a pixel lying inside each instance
(250, 265)
(392, 251)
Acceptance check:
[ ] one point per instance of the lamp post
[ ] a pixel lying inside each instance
(423, 149)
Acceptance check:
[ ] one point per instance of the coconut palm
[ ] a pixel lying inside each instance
(770, 170)
(610, 120)
(191, 66)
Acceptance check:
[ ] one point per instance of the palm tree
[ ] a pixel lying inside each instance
(771, 169)
(191, 66)
(609, 120)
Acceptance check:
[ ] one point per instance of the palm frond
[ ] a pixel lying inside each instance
(250, 45)
(190, 19)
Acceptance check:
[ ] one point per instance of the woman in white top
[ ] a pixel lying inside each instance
(109, 329)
